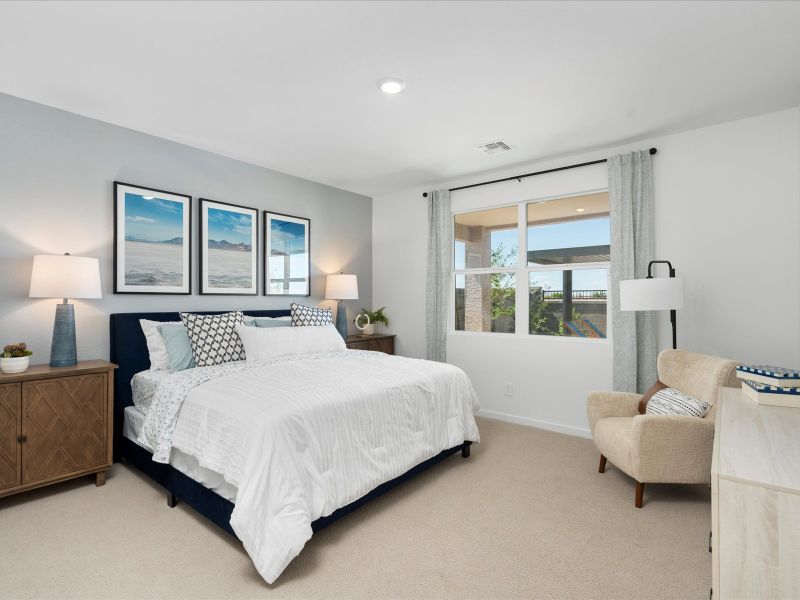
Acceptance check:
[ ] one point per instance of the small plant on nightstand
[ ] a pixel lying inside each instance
(15, 358)
(375, 317)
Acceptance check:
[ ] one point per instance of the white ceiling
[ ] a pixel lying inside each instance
(292, 86)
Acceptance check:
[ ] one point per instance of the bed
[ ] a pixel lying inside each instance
(324, 463)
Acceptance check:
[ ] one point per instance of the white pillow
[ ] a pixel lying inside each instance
(670, 401)
(159, 358)
(264, 343)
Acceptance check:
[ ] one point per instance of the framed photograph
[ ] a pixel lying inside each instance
(152, 241)
(287, 255)
(228, 248)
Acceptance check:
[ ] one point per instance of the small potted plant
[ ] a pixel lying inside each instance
(15, 358)
(373, 318)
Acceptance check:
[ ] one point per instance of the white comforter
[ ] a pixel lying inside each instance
(303, 436)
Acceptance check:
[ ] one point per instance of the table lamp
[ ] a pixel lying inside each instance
(341, 287)
(56, 276)
(665, 293)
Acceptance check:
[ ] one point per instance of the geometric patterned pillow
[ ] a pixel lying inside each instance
(214, 338)
(670, 401)
(305, 316)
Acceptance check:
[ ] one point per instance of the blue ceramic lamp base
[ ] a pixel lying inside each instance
(341, 319)
(63, 352)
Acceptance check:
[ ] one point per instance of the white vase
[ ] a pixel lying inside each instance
(14, 365)
(369, 329)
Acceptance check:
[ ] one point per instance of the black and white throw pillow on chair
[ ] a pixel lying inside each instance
(214, 338)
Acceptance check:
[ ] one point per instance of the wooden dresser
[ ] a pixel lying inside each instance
(379, 342)
(755, 500)
(55, 424)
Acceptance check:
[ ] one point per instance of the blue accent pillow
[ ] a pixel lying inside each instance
(267, 321)
(179, 347)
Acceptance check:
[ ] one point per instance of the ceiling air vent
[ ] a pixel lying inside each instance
(494, 147)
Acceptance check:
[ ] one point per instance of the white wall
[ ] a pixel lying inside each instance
(57, 170)
(727, 215)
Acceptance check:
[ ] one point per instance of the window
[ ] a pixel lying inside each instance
(485, 250)
(564, 273)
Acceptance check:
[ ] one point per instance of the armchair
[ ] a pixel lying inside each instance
(661, 448)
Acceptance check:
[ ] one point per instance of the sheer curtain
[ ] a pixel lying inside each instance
(630, 192)
(440, 241)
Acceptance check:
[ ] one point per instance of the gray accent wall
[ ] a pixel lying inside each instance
(56, 195)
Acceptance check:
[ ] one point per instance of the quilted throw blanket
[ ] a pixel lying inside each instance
(303, 436)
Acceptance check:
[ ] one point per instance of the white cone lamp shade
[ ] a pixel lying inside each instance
(64, 276)
(656, 293)
(341, 287)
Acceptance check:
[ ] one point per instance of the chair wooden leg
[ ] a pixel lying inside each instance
(602, 468)
(639, 494)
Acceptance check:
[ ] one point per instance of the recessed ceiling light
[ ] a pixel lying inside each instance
(391, 85)
(580, 209)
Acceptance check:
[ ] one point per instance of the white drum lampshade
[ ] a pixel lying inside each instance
(656, 293)
(64, 276)
(341, 287)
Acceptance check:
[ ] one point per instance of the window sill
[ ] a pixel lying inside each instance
(530, 337)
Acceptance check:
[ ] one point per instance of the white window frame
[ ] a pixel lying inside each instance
(522, 277)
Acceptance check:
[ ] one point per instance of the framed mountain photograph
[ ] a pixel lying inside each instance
(228, 248)
(152, 241)
(287, 255)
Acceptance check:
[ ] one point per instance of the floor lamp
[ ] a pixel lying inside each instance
(654, 293)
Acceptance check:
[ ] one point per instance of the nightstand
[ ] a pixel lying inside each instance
(379, 342)
(55, 424)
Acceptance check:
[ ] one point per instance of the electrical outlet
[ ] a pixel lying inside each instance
(509, 390)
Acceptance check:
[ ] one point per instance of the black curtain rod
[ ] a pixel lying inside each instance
(519, 177)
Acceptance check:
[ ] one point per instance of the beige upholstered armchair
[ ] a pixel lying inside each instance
(662, 448)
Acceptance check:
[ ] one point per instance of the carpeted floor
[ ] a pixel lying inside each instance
(527, 516)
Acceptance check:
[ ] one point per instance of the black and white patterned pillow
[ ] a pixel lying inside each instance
(214, 338)
(670, 401)
(305, 316)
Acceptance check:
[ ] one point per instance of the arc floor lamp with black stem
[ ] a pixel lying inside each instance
(654, 293)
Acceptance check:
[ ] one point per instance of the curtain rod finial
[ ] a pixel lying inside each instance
(424, 194)
(653, 150)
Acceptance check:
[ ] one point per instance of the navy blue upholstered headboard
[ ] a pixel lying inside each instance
(129, 352)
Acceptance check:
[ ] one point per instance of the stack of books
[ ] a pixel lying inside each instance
(773, 386)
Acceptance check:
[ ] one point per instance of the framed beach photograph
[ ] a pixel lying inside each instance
(152, 241)
(228, 248)
(287, 255)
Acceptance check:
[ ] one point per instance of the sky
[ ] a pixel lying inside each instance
(589, 232)
(288, 236)
(233, 227)
(153, 220)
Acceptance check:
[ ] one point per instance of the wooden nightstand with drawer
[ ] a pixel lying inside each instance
(379, 342)
(55, 424)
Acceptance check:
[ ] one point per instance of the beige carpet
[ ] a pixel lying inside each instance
(527, 516)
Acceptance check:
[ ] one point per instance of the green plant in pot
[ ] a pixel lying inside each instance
(15, 358)
(368, 319)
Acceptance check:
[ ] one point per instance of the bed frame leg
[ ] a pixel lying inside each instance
(465, 449)
(172, 500)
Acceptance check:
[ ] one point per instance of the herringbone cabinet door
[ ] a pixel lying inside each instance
(10, 428)
(65, 426)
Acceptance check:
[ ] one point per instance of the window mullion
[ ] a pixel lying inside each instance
(521, 297)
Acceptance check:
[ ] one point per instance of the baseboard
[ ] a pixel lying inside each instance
(557, 427)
